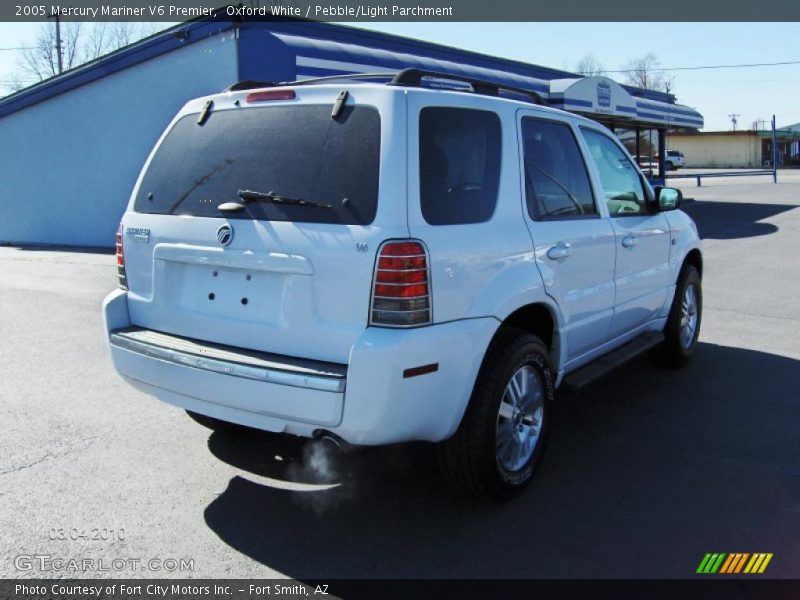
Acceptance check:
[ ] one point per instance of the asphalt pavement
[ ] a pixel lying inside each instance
(646, 471)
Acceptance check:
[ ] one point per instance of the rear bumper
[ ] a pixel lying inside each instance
(373, 400)
(256, 366)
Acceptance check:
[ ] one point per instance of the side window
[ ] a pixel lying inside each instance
(556, 181)
(622, 184)
(459, 164)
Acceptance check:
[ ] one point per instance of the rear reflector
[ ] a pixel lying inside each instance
(269, 95)
(401, 291)
(122, 278)
(423, 370)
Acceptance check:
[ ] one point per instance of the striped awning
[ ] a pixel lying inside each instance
(599, 98)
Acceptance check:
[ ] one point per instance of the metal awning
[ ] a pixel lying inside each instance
(316, 57)
(598, 98)
(605, 100)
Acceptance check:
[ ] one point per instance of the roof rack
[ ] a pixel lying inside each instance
(249, 84)
(406, 77)
(414, 77)
(345, 77)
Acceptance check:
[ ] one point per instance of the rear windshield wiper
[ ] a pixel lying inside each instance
(251, 196)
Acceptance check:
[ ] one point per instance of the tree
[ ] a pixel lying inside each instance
(645, 72)
(589, 66)
(39, 60)
(79, 44)
(125, 33)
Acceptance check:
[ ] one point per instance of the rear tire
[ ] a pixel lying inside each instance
(669, 166)
(500, 441)
(683, 325)
(215, 424)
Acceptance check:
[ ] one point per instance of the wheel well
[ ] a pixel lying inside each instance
(536, 319)
(695, 259)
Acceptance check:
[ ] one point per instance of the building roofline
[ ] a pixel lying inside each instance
(199, 29)
(150, 47)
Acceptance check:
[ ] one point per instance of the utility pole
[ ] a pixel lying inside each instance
(59, 49)
(733, 119)
(774, 153)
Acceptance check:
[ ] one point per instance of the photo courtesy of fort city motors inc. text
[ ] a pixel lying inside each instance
(411, 300)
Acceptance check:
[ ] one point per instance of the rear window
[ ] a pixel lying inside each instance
(673, 153)
(459, 165)
(297, 152)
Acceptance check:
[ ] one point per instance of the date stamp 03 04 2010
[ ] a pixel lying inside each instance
(86, 534)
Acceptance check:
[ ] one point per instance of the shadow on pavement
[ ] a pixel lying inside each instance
(646, 471)
(69, 249)
(731, 220)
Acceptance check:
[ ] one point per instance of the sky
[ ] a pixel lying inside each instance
(753, 93)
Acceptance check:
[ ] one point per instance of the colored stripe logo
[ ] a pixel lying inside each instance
(736, 562)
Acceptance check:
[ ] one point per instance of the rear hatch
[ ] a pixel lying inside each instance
(290, 272)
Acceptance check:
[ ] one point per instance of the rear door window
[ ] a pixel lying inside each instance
(459, 164)
(556, 181)
(298, 152)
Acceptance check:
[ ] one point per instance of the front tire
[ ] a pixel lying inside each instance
(500, 441)
(683, 325)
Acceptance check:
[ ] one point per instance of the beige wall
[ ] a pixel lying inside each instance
(728, 151)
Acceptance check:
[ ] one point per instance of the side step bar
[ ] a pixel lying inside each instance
(579, 379)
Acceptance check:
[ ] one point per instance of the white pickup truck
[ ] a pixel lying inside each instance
(378, 263)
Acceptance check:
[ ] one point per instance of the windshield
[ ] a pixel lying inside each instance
(292, 151)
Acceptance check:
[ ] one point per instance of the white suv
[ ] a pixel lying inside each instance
(378, 263)
(674, 160)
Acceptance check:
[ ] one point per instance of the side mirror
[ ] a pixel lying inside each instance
(668, 198)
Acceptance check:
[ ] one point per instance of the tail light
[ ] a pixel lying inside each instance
(401, 292)
(122, 279)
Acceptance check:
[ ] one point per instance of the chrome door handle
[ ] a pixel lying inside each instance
(629, 241)
(559, 251)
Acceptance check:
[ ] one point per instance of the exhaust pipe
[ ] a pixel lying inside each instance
(333, 441)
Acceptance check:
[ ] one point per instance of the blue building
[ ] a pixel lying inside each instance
(71, 147)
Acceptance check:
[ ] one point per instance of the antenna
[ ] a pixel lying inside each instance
(734, 121)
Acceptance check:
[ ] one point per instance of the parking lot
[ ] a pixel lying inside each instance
(646, 471)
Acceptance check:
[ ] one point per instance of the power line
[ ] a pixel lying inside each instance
(772, 64)
(18, 48)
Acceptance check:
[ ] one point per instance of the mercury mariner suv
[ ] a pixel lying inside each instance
(426, 258)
